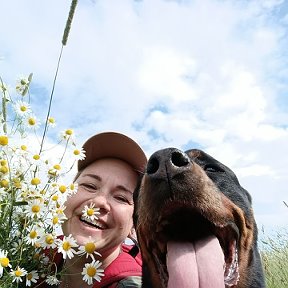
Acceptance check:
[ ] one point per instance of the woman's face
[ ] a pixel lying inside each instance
(109, 184)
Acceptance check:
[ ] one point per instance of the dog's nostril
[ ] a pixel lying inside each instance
(179, 159)
(152, 166)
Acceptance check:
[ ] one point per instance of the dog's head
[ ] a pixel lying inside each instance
(195, 223)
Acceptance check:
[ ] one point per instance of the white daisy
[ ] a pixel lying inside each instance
(67, 134)
(33, 234)
(48, 240)
(22, 108)
(52, 280)
(31, 277)
(92, 271)
(66, 246)
(51, 122)
(32, 122)
(90, 212)
(17, 274)
(73, 188)
(34, 208)
(79, 153)
(89, 248)
(4, 261)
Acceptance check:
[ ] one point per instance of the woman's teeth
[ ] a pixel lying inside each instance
(94, 222)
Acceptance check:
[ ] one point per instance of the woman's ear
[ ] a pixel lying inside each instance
(132, 234)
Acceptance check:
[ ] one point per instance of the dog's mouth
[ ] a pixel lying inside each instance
(205, 252)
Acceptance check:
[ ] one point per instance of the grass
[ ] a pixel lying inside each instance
(274, 252)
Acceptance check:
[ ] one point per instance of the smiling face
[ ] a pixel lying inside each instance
(109, 185)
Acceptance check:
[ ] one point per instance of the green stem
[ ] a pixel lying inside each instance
(4, 111)
(50, 101)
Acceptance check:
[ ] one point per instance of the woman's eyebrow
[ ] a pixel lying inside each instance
(92, 176)
(121, 187)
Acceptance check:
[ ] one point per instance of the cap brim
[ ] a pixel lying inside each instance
(113, 145)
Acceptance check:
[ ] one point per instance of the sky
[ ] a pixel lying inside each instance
(208, 74)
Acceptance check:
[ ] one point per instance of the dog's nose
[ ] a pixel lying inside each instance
(169, 160)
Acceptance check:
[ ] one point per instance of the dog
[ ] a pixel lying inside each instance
(195, 225)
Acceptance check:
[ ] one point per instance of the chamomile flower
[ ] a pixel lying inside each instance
(47, 240)
(32, 122)
(66, 246)
(89, 248)
(58, 218)
(79, 153)
(67, 134)
(4, 261)
(90, 212)
(18, 274)
(35, 209)
(22, 108)
(92, 271)
(33, 234)
(52, 280)
(31, 278)
(51, 122)
(73, 187)
(22, 85)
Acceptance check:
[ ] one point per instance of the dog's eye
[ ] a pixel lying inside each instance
(213, 168)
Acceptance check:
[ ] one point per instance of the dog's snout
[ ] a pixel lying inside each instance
(167, 160)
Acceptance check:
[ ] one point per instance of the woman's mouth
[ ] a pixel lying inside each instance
(96, 223)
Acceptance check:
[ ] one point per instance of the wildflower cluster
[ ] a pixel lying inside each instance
(33, 191)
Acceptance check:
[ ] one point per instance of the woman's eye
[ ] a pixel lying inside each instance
(89, 186)
(123, 199)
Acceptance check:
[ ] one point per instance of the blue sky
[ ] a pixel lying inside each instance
(204, 73)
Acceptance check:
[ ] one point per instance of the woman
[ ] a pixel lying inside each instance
(106, 180)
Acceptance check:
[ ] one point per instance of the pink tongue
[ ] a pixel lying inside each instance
(195, 265)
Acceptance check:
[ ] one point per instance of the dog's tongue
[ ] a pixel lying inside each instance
(195, 265)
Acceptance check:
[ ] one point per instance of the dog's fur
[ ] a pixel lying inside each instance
(185, 196)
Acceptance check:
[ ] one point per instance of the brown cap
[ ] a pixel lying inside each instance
(113, 145)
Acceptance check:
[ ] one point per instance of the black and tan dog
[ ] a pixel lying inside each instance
(195, 224)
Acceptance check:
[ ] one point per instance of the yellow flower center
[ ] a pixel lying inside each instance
(29, 276)
(76, 152)
(33, 234)
(35, 208)
(49, 239)
(62, 188)
(4, 183)
(36, 157)
(23, 147)
(90, 247)
(69, 132)
(91, 271)
(3, 140)
(18, 273)
(4, 169)
(51, 120)
(23, 108)
(31, 121)
(66, 246)
(3, 162)
(54, 197)
(57, 167)
(35, 181)
(72, 186)
(90, 211)
(4, 262)
(55, 220)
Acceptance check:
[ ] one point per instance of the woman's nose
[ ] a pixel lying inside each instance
(102, 203)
